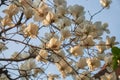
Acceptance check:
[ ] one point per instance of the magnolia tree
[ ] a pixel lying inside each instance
(51, 40)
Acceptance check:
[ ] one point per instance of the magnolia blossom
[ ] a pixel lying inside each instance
(37, 71)
(25, 3)
(60, 53)
(2, 47)
(54, 43)
(16, 56)
(27, 65)
(85, 76)
(60, 3)
(31, 64)
(101, 46)
(105, 3)
(76, 10)
(110, 42)
(101, 56)
(36, 3)
(3, 77)
(64, 68)
(82, 63)
(108, 59)
(80, 19)
(98, 28)
(63, 22)
(88, 42)
(31, 30)
(61, 11)
(76, 50)
(41, 12)
(109, 68)
(65, 33)
(34, 51)
(85, 28)
(24, 55)
(104, 27)
(111, 76)
(12, 10)
(55, 58)
(107, 76)
(42, 56)
(6, 21)
(52, 76)
(50, 18)
(28, 12)
(93, 63)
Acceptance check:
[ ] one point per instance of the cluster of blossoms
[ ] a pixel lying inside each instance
(71, 42)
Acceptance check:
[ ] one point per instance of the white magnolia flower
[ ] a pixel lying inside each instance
(52, 76)
(76, 50)
(2, 47)
(101, 56)
(82, 63)
(103, 77)
(50, 18)
(98, 27)
(28, 12)
(64, 22)
(55, 58)
(11, 10)
(25, 55)
(93, 63)
(85, 76)
(26, 3)
(37, 71)
(36, 3)
(105, 3)
(109, 68)
(76, 10)
(63, 67)
(110, 41)
(60, 3)
(42, 56)
(108, 59)
(80, 19)
(54, 43)
(60, 53)
(61, 11)
(41, 12)
(88, 42)
(30, 64)
(111, 76)
(3, 77)
(16, 56)
(101, 46)
(31, 30)
(104, 27)
(65, 33)
(27, 66)
(6, 21)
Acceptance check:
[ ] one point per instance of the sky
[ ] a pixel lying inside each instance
(111, 16)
